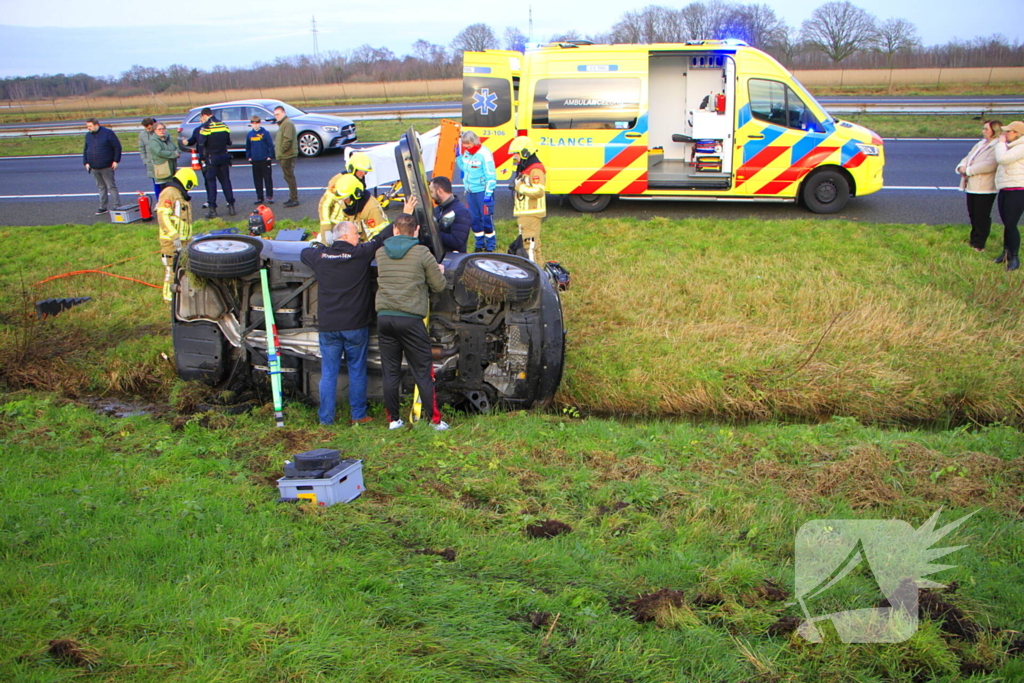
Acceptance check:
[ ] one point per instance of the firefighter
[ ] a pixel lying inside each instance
(529, 206)
(347, 200)
(174, 218)
(359, 164)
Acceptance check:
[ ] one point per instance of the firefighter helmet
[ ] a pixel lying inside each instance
(348, 187)
(523, 146)
(359, 161)
(187, 177)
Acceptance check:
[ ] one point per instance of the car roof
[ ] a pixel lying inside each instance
(269, 104)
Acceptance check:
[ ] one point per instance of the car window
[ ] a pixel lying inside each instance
(777, 103)
(586, 103)
(230, 114)
(260, 112)
(291, 111)
(192, 119)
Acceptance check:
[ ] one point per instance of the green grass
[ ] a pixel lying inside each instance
(913, 126)
(369, 131)
(157, 544)
(737, 320)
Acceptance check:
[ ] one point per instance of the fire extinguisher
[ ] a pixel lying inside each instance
(720, 103)
(145, 210)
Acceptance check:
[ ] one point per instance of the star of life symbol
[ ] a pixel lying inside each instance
(485, 101)
(894, 554)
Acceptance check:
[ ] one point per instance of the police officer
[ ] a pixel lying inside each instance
(212, 140)
(174, 219)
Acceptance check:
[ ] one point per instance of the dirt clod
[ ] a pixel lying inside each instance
(784, 626)
(1016, 648)
(770, 590)
(647, 607)
(971, 668)
(539, 619)
(950, 618)
(603, 510)
(549, 528)
(448, 554)
(72, 653)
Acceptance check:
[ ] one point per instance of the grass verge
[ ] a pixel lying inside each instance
(151, 549)
(739, 320)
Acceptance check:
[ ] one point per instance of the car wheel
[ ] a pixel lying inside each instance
(826, 191)
(223, 258)
(310, 144)
(499, 280)
(590, 203)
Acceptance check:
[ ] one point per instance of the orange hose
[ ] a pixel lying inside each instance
(101, 271)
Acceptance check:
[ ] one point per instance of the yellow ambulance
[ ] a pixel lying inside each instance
(706, 120)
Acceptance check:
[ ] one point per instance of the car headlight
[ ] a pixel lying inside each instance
(331, 129)
(868, 150)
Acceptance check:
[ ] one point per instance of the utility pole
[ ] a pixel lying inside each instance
(531, 23)
(316, 46)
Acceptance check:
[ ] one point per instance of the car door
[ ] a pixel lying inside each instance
(234, 118)
(266, 116)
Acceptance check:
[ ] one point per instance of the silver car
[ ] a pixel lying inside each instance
(316, 132)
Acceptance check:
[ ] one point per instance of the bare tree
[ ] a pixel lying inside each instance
(474, 38)
(758, 25)
(514, 38)
(652, 24)
(706, 20)
(892, 36)
(839, 28)
(787, 46)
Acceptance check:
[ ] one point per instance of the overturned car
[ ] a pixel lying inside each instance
(497, 332)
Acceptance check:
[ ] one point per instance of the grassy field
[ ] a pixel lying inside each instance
(151, 548)
(740, 320)
(368, 131)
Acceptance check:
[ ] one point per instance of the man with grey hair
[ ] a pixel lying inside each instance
(341, 265)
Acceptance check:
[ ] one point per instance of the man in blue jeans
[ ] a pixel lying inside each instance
(341, 265)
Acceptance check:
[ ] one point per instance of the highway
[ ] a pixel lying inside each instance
(920, 188)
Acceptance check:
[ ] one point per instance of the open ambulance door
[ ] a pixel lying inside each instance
(490, 85)
(692, 112)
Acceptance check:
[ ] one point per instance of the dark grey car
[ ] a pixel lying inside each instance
(316, 132)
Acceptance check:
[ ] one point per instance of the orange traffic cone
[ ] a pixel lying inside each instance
(196, 166)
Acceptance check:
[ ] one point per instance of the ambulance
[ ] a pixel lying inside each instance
(704, 120)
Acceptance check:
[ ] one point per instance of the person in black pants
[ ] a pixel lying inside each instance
(212, 140)
(405, 271)
(259, 150)
(1009, 151)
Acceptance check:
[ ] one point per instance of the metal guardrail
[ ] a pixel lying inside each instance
(904, 107)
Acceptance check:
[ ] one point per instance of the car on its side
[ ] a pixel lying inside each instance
(496, 330)
(316, 132)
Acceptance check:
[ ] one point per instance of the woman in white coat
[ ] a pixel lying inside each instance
(978, 179)
(1009, 150)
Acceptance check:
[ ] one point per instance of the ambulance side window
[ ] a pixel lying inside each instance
(586, 103)
(778, 104)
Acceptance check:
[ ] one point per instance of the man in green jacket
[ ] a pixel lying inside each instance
(405, 271)
(287, 145)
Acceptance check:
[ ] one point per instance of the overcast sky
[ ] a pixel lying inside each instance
(107, 38)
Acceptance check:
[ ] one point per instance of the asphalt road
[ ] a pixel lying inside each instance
(920, 188)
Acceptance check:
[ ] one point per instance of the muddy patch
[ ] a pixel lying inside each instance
(120, 409)
(652, 606)
(448, 554)
(69, 652)
(549, 528)
(603, 510)
(784, 626)
(535, 619)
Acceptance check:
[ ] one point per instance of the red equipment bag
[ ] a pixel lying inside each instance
(261, 221)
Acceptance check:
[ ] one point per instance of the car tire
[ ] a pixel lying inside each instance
(826, 191)
(499, 279)
(310, 144)
(590, 203)
(222, 258)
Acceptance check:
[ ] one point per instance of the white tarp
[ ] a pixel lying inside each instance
(385, 168)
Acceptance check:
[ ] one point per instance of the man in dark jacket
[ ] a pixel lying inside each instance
(405, 271)
(453, 219)
(212, 140)
(101, 155)
(342, 271)
(259, 150)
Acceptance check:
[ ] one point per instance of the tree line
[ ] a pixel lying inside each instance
(838, 34)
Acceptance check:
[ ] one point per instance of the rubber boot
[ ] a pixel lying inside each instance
(1001, 258)
(1012, 262)
(490, 242)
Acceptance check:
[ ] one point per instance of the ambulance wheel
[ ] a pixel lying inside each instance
(826, 191)
(310, 144)
(499, 279)
(590, 203)
(222, 258)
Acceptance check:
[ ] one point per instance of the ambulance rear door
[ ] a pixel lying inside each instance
(490, 85)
